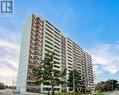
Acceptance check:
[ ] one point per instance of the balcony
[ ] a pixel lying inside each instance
(37, 44)
(34, 64)
(37, 48)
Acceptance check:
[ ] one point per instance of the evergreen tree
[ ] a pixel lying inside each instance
(109, 85)
(46, 74)
(76, 82)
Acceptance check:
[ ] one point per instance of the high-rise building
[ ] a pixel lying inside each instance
(39, 37)
(88, 69)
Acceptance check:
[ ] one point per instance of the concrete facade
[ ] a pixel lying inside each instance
(39, 37)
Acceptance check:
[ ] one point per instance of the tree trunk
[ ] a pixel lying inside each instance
(48, 92)
(76, 90)
(52, 90)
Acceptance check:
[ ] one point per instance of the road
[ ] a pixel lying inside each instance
(5, 92)
(112, 93)
(9, 92)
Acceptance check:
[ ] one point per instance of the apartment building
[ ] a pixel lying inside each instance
(39, 37)
(88, 69)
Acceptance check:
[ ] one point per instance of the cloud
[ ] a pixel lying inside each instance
(10, 64)
(8, 44)
(9, 55)
(105, 58)
(12, 36)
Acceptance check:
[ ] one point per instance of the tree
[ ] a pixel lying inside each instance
(75, 81)
(83, 85)
(108, 85)
(46, 74)
(112, 84)
(2, 86)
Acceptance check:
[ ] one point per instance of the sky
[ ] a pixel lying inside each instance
(93, 24)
